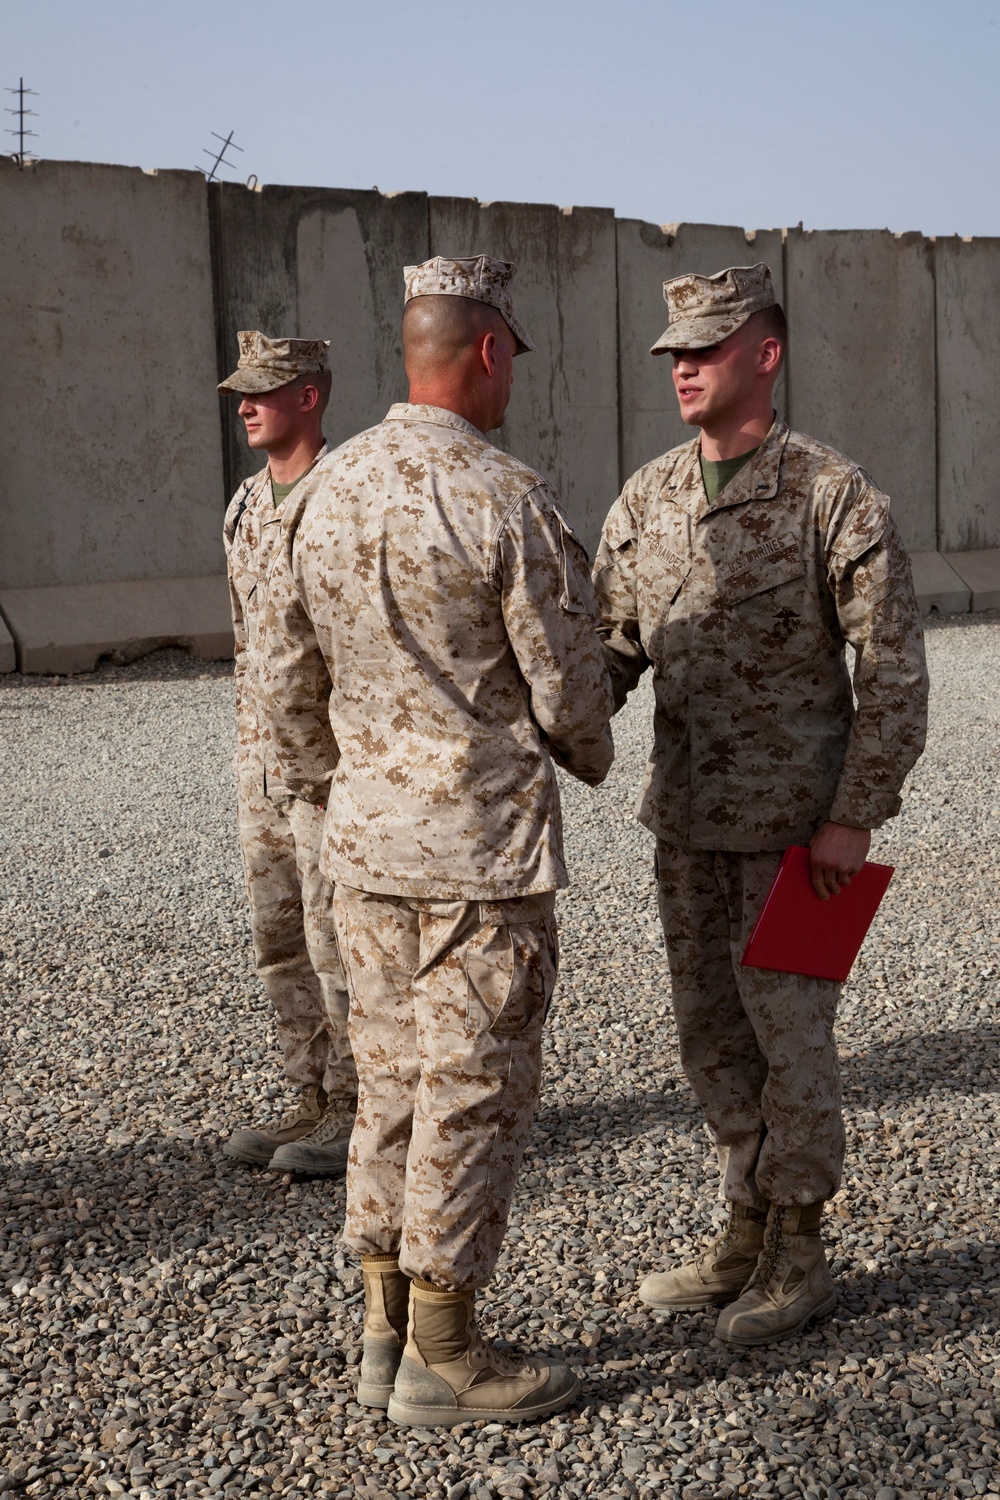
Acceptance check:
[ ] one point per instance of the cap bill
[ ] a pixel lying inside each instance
(255, 382)
(698, 333)
(525, 346)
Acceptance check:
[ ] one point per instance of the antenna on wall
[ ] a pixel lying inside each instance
(219, 156)
(20, 155)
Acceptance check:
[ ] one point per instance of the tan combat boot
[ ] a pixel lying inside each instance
(323, 1152)
(448, 1375)
(790, 1286)
(258, 1143)
(387, 1307)
(719, 1276)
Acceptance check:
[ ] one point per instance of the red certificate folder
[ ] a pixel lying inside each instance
(797, 933)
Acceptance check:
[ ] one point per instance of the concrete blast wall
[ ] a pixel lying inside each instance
(563, 418)
(861, 373)
(968, 383)
(304, 261)
(121, 293)
(109, 454)
(316, 263)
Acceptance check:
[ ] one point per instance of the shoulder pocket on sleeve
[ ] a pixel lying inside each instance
(882, 569)
(573, 575)
(865, 524)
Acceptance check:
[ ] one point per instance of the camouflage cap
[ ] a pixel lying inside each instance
(704, 310)
(267, 364)
(480, 278)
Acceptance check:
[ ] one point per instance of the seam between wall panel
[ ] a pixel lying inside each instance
(785, 289)
(622, 476)
(217, 264)
(938, 539)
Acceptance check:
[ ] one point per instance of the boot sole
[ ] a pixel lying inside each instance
(377, 1396)
(308, 1168)
(448, 1416)
(692, 1304)
(826, 1306)
(255, 1157)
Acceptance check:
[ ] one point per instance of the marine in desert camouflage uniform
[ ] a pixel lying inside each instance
(285, 385)
(440, 584)
(737, 566)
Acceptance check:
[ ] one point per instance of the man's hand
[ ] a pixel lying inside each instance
(836, 853)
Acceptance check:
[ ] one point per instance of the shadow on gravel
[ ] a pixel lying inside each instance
(165, 1197)
(928, 1279)
(961, 1061)
(603, 1115)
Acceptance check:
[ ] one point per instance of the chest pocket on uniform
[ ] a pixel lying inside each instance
(761, 570)
(245, 560)
(243, 565)
(662, 570)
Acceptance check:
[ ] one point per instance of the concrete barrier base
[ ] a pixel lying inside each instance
(67, 629)
(8, 656)
(980, 572)
(938, 586)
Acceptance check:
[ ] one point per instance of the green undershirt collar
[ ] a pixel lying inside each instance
(281, 492)
(716, 473)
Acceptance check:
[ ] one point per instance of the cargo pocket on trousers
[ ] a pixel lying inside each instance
(511, 976)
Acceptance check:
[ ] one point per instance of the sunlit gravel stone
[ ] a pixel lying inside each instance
(172, 1323)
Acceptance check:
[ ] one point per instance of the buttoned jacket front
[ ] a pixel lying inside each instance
(743, 608)
(250, 534)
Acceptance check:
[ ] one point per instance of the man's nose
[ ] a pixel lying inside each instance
(245, 408)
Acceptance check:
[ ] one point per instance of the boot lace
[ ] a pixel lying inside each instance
(300, 1110)
(333, 1123)
(771, 1255)
(729, 1236)
(489, 1357)
(726, 1238)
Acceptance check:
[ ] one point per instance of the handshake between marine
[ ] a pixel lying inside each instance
(419, 642)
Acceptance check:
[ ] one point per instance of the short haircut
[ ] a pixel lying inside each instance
(437, 330)
(322, 380)
(770, 323)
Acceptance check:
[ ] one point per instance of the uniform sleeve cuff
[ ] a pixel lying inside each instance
(863, 809)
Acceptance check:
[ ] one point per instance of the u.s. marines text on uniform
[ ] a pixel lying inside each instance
(439, 583)
(737, 567)
(284, 385)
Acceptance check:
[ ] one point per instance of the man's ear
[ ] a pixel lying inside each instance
(308, 398)
(488, 353)
(769, 356)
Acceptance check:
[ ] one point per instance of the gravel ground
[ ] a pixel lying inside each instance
(175, 1324)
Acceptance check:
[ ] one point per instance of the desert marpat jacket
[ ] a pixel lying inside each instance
(742, 609)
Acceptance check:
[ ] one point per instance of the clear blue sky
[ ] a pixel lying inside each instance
(846, 114)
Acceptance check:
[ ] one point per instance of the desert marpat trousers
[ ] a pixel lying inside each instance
(448, 1002)
(756, 1046)
(294, 944)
